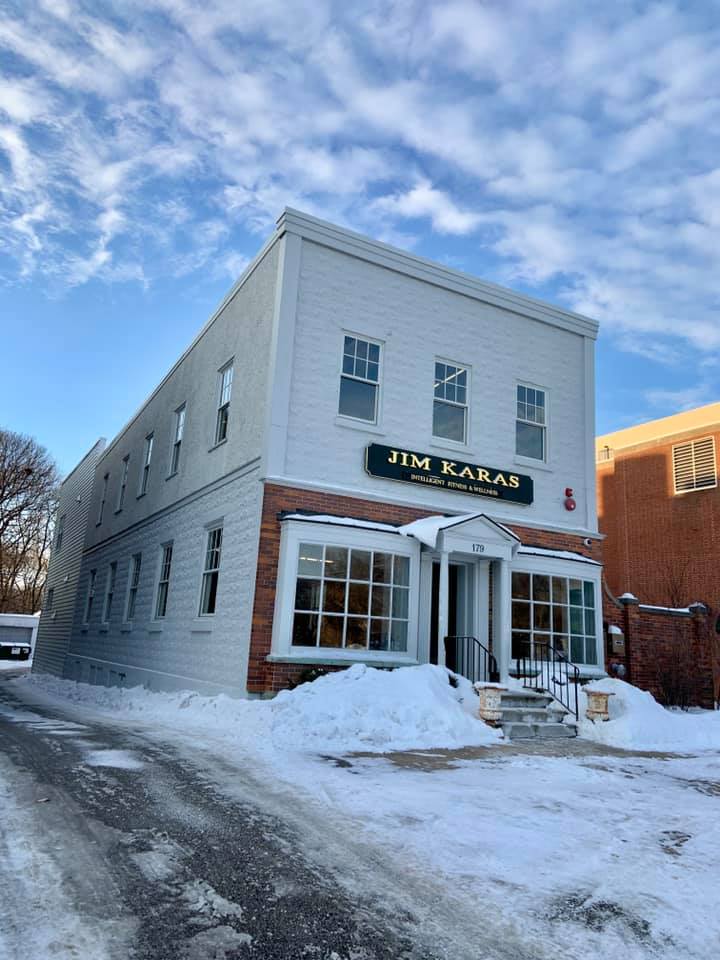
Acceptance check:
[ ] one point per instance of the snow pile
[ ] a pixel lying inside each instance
(638, 722)
(361, 708)
(367, 709)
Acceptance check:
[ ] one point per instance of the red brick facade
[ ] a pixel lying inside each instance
(267, 677)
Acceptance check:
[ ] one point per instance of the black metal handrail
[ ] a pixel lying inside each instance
(548, 669)
(471, 659)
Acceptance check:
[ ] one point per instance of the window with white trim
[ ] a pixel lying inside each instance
(531, 423)
(103, 498)
(49, 600)
(109, 592)
(360, 380)
(450, 402)
(145, 473)
(134, 583)
(224, 394)
(123, 483)
(351, 598)
(211, 572)
(177, 439)
(556, 610)
(90, 596)
(60, 533)
(694, 465)
(163, 581)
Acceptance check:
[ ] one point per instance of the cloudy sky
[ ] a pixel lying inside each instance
(567, 150)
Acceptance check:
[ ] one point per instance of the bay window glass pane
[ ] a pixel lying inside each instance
(400, 602)
(358, 598)
(331, 631)
(590, 650)
(310, 560)
(360, 565)
(589, 621)
(529, 440)
(589, 589)
(379, 634)
(307, 595)
(401, 570)
(541, 587)
(449, 421)
(576, 592)
(380, 601)
(398, 637)
(357, 399)
(305, 630)
(356, 633)
(560, 619)
(520, 615)
(382, 568)
(520, 644)
(521, 586)
(541, 616)
(336, 562)
(560, 642)
(576, 621)
(577, 649)
(334, 596)
(559, 590)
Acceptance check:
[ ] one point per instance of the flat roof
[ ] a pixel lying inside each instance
(701, 418)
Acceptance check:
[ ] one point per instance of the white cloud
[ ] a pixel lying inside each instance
(424, 200)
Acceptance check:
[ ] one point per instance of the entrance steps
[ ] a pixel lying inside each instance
(528, 715)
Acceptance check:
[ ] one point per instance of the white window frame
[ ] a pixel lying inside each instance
(145, 469)
(209, 571)
(49, 601)
(344, 417)
(110, 584)
(296, 532)
(90, 596)
(123, 483)
(224, 399)
(60, 532)
(692, 444)
(437, 438)
(576, 570)
(176, 444)
(103, 498)
(134, 573)
(520, 457)
(163, 580)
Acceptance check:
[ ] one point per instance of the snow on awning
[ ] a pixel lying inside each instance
(557, 555)
(339, 521)
(428, 529)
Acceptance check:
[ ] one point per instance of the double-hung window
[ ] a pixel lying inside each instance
(49, 600)
(60, 533)
(123, 483)
(163, 581)
(450, 404)
(360, 380)
(134, 582)
(531, 423)
(109, 592)
(145, 473)
(90, 596)
(694, 465)
(211, 572)
(223, 410)
(103, 498)
(177, 439)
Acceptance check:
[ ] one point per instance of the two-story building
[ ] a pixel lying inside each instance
(361, 452)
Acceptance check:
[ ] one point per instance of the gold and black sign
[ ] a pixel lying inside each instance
(447, 474)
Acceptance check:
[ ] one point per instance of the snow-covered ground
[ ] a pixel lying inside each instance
(581, 855)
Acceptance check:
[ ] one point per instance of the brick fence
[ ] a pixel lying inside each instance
(670, 652)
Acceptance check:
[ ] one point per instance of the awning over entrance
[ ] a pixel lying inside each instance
(474, 533)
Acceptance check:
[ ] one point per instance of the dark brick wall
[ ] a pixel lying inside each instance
(265, 677)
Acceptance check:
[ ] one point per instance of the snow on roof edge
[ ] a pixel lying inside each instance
(558, 554)
(330, 520)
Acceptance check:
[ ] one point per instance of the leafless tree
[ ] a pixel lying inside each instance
(675, 580)
(28, 487)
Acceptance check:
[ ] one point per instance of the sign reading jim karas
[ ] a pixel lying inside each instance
(394, 463)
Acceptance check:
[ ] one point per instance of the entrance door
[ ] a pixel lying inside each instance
(461, 614)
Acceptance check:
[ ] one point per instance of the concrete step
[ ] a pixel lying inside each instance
(539, 731)
(527, 714)
(529, 699)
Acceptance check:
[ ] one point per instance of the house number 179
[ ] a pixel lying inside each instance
(478, 548)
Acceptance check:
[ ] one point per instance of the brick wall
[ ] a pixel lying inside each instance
(265, 677)
(671, 653)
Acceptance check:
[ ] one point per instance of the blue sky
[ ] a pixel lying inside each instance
(567, 150)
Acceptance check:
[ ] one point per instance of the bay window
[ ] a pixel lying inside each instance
(555, 610)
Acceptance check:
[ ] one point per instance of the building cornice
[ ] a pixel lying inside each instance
(382, 254)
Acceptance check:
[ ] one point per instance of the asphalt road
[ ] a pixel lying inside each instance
(153, 857)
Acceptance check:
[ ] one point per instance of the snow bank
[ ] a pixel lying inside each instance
(638, 722)
(356, 709)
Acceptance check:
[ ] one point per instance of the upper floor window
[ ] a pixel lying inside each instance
(109, 592)
(145, 473)
(531, 423)
(163, 581)
(49, 600)
(134, 582)
(694, 465)
(211, 572)
(177, 439)
(90, 596)
(103, 498)
(224, 394)
(450, 405)
(123, 483)
(359, 382)
(60, 532)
